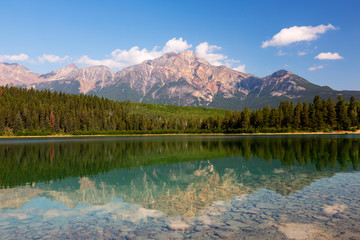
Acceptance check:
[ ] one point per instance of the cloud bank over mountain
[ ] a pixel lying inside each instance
(121, 58)
(14, 58)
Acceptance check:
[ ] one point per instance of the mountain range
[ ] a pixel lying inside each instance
(176, 79)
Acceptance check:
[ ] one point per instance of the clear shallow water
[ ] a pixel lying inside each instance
(180, 187)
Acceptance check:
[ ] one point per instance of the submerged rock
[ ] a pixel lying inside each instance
(331, 210)
(300, 231)
(179, 225)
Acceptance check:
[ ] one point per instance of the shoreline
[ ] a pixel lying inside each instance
(191, 134)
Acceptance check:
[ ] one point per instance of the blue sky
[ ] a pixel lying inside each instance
(318, 40)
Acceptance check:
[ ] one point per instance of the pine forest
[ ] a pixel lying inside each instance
(32, 112)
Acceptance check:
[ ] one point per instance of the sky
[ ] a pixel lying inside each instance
(317, 40)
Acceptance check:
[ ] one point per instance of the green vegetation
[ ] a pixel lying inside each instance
(32, 112)
(172, 111)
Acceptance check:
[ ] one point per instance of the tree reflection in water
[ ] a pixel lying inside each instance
(177, 175)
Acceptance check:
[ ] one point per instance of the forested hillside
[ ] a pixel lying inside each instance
(33, 112)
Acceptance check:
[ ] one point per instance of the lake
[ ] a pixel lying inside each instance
(176, 187)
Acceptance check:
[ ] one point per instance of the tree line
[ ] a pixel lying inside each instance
(33, 112)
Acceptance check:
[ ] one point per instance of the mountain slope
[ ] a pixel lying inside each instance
(15, 74)
(284, 85)
(76, 80)
(176, 79)
(184, 79)
(180, 79)
(69, 79)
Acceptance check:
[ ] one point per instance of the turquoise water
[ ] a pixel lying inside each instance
(175, 187)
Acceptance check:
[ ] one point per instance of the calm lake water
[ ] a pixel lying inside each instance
(176, 187)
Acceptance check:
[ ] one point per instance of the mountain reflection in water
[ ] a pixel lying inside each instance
(177, 175)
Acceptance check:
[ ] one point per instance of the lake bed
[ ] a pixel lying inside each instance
(176, 187)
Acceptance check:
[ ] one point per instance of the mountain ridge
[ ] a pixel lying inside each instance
(176, 79)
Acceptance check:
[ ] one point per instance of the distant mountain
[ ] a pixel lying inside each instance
(76, 80)
(15, 74)
(176, 79)
(69, 79)
(284, 85)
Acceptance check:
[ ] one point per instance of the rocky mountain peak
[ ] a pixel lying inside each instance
(94, 76)
(95, 73)
(5, 65)
(10, 64)
(67, 72)
(98, 68)
(181, 76)
(280, 73)
(88, 77)
(16, 74)
(284, 83)
(181, 60)
(72, 66)
(188, 55)
(167, 55)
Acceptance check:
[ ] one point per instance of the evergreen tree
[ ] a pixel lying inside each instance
(343, 121)
(318, 117)
(297, 116)
(266, 116)
(353, 112)
(18, 123)
(286, 111)
(258, 119)
(245, 118)
(305, 123)
(312, 117)
(325, 113)
(331, 119)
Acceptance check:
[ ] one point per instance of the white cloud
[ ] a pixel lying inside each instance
(313, 68)
(329, 56)
(51, 58)
(302, 53)
(240, 68)
(176, 45)
(123, 58)
(294, 34)
(14, 58)
(106, 62)
(205, 51)
(133, 56)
